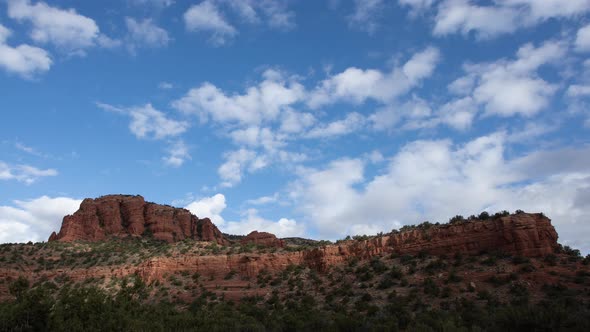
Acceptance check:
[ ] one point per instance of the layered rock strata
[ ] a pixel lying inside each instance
(124, 215)
(263, 239)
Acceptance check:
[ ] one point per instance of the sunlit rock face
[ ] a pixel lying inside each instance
(125, 215)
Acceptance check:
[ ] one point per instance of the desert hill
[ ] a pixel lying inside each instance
(486, 272)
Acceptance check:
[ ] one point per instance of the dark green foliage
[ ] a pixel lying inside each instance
(483, 216)
(18, 287)
(456, 219)
(430, 287)
(90, 309)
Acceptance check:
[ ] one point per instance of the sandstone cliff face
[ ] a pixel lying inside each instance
(519, 234)
(524, 234)
(123, 215)
(263, 239)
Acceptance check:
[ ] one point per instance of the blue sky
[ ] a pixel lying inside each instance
(303, 118)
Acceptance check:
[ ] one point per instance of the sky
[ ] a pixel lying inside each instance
(318, 119)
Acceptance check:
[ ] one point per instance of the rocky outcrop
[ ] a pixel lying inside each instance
(124, 215)
(263, 239)
(519, 234)
(523, 234)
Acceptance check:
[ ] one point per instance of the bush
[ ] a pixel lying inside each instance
(430, 287)
(484, 216)
(456, 219)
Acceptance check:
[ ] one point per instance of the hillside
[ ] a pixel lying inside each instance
(496, 272)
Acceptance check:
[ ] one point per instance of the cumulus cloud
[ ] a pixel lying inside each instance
(582, 42)
(149, 123)
(436, 179)
(212, 207)
(237, 162)
(494, 18)
(24, 173)
(357, 85)
(251, 221)
(155, 3)
(274, 12)
(209, 207)
(206, 17)
(462, 16)
(64, 28)
(366, 14)
(178, 153)
(23, 60)
(145, 33)
(260, 103)
(508, 88)
(263, 200)
(351, 123)
(212, 17)
(417, 5)
(34, 219)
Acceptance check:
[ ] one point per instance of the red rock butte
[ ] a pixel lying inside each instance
(263, 239)
(127, 215)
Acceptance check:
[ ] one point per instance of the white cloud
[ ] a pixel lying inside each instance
(212, 207)
(155, 3)
(421, 65)
(64, 28)
(252, 221)
(351, 123)
(264, 200)
(296, 122)
(417, 5)
(237, 162)
(178, 153)
(462, 16)
(458, 114)
(35, 219)
(209, 207)
(583, 39)
(258, 104)
(536, 11)
(497, 17)
(165, 85)
(145, 33)
(211, 16)
(24, 60)
(24, 173)
(206, 17)
(274, 12)
(258, 137)
(357, 85)
(366, 15)
(508, 88)
(435, 180)
(576, 90)
(147, 122)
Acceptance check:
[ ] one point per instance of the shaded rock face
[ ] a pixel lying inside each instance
(522, 234)
(530, 235)
(264, 239)
(123, 215)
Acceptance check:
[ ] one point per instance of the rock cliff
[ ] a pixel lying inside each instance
(263, 239)
(530, 235)
(125, 215)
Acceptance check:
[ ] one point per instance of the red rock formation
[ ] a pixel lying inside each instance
(529, 235)
(123, 215)
(264, 239)
(520, 234)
